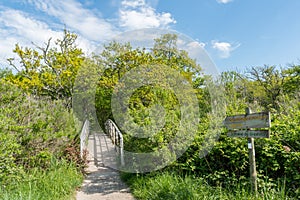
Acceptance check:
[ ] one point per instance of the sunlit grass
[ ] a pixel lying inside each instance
(58, 182)
(167, 186)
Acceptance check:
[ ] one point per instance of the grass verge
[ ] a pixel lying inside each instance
(168, 186)
(57, 182)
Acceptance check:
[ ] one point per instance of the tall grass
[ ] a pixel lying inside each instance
(167, 186)
(58, 182)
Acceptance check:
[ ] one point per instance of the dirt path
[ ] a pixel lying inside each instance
(102, 182)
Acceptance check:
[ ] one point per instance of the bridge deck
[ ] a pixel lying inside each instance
(102, 181)
(102, 150)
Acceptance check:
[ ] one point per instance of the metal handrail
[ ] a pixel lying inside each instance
(85, 131)
(116, 137)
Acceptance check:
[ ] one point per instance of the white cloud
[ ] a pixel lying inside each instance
(132, 4)
(224, 48)
(7, 45)
(71, 12)
(18, 27)
(22, 25)
(137, 14)
(196, 44)
(224, 1)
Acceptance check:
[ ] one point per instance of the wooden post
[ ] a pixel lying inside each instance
(253, 173)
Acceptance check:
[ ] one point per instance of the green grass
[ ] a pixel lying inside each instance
(58, 182)
(167, 186)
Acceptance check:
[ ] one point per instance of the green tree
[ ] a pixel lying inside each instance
(5, 72)
(266, 84)
(119, 59)
(292, 83)
(50, 70)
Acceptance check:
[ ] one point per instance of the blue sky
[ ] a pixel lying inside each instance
(235, 33)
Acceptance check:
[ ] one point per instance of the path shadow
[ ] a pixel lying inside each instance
(102, 178)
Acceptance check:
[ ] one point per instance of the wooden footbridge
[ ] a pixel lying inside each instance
(105, 154)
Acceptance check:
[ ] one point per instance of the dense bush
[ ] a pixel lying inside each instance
(39, 141)
(277, 158)
(33, 131)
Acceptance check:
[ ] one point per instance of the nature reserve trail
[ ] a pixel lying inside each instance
(102, 181)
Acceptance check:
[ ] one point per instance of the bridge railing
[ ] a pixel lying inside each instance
(116, 137)
(84, 135)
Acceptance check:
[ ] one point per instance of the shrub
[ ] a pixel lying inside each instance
(32, 131)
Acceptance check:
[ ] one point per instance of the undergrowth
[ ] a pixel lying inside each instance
(57, 182)
(169, 186)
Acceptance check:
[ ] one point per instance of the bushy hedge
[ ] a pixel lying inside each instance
(227, 164)
(33, 131)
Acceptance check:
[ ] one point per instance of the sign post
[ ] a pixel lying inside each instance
(253, 173)
(242, 126)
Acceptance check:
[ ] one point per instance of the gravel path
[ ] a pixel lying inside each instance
(102, 182)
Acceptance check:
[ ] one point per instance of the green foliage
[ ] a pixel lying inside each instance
(50, 70)
(84, 88)
(57, 182)
(32, 132)
(8, 149)
(118, 59)
(36, 129)
(269, 80)
(5, 73)
(292, 82)
(285, 135)
(164, 186)
(277, 158)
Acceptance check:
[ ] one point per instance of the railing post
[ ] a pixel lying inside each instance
(85, 131)
(122, 151)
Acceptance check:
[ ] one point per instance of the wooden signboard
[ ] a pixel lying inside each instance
(250, 133)
(255, 120)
